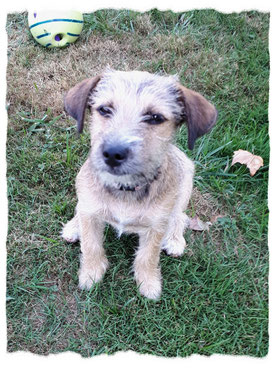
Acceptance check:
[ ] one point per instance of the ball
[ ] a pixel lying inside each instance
(55, 28)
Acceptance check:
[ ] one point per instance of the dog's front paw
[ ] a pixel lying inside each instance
(150, 287)
(90, 276)
(174, 247)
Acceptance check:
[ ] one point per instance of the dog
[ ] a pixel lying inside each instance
(135, 178)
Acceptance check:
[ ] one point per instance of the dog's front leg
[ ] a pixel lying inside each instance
(146, 264)
(93, 262)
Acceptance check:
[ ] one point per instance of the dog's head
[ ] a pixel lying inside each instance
(134, 118)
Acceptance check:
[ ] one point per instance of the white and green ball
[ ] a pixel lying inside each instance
(55, 28)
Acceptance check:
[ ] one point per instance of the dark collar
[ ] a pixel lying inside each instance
(127, 188)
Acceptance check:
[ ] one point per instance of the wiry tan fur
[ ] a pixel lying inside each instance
(159, 174)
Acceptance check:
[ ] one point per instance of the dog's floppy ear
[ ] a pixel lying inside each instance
(200, 115)
(76, 99)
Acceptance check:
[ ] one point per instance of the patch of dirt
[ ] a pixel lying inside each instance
(38, 78)
(204, 206)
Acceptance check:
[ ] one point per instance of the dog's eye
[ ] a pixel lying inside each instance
(154, 119)
(104, 111)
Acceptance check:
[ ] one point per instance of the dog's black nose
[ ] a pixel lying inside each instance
(115, 155)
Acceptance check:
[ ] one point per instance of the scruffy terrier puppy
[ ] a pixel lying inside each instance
(134, 178)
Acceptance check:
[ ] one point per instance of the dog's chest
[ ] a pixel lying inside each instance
(127, 220)
(122, 225)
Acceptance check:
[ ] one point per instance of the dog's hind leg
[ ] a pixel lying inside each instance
(173, 242)
(70, 231)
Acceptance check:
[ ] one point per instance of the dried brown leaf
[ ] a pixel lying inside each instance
(216, 217)
(247, 158)
(197, 224)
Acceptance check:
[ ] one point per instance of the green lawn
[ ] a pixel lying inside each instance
(215, 297)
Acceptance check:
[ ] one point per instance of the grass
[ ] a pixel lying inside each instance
(215, 297)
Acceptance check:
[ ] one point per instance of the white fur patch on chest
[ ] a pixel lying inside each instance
(120, 230)
(121, 224)
(124, 223)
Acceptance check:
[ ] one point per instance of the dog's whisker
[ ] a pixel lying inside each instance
(132, 139)
(163, 139)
